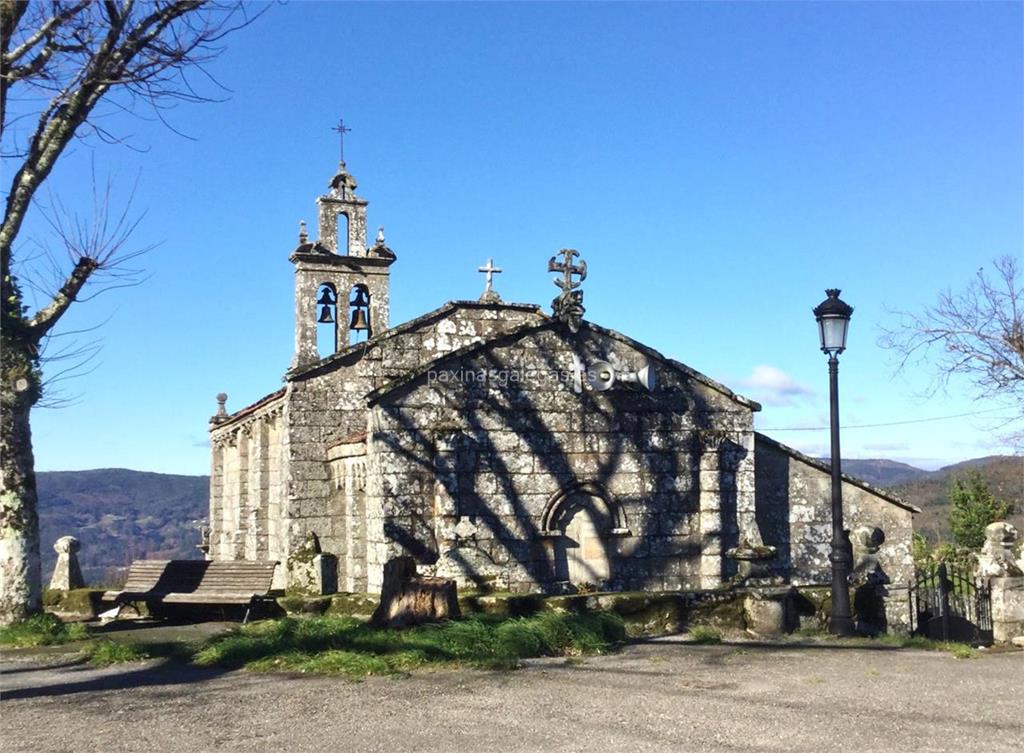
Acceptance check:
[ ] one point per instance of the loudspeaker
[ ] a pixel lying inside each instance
(644, 377)
(601, 376)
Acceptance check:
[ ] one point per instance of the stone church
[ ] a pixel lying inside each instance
(509, 447)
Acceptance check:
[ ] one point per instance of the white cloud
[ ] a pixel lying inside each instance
(773, 386)
(887, 446)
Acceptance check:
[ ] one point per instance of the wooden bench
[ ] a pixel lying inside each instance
(229, 583)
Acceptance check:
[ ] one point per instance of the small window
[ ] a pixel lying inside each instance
(343, 234)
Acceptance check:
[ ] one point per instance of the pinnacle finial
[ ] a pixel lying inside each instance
(303, 235)
(380, 234)
(222, 412)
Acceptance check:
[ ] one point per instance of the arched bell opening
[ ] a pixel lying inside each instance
(359, 325)
(326, 320)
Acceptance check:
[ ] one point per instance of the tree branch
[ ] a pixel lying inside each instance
(44, 320)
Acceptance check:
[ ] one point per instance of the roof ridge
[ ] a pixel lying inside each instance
(823, 466)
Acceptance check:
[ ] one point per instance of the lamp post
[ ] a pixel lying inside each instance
(833, 316)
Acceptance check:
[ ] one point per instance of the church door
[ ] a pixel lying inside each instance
(586, 559)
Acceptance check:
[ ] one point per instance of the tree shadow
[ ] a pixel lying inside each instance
(167, 672)
(597, 436)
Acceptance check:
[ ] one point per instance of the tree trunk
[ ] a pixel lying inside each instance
(20, 574)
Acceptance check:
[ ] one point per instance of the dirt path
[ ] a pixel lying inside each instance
(659, 696)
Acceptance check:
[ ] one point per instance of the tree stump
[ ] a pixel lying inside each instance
(409, 599)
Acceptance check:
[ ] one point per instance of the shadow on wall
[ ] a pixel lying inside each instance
(591, 541)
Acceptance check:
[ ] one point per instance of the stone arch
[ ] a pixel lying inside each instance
(557, 506)
(581, 520)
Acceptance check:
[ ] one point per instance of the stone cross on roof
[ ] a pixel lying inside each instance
(489, 295)
(568, 306)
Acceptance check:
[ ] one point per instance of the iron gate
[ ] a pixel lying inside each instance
(948, 605)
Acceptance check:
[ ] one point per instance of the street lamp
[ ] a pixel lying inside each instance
(833, 317)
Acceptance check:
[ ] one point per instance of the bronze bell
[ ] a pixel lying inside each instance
(359, 322)
(325, 315)
(326, 297)
(359, 298)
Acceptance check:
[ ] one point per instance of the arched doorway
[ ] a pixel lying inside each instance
(585, 541)
(581, 521)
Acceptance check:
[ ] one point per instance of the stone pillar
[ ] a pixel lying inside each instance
(67, 575)
(1007, 609)
(446, 510)
(710, 443)
(740, 467)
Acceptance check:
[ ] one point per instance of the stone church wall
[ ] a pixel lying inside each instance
(246, 488)
(327, 406)
(794, 494)
(468, 474)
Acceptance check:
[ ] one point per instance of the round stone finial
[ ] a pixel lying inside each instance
(66, 545)
(303, 235)
(222, 399)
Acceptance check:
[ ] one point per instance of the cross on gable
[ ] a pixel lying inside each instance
(568, 269)
(489, 270)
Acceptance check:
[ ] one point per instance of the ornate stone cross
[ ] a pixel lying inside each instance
(490, 295)
(568, 307)
(568, 269)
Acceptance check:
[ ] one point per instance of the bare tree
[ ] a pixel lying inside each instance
(977, 333)
(61, 60)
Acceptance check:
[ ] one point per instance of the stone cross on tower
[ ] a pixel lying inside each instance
(568, 307)
(489, 295)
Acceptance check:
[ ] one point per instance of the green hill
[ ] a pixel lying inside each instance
(120, 515)
(930, 492)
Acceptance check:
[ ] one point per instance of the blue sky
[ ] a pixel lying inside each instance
(718, 166)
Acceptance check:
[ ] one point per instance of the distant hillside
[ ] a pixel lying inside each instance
(884, 473)
(120, 515)
(930, 491)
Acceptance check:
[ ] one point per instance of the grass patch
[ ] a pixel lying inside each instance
(104, 653)
(42, 630)
(705, 635)
(346, 646)
(959, 650)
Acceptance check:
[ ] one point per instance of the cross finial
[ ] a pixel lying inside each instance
(341, 129)
(490, 295)
(568, 306)
(568, 269)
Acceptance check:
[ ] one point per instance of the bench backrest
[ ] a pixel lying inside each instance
(159, 577)
(143, 575)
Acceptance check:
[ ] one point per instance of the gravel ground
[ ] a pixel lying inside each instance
(664, 695)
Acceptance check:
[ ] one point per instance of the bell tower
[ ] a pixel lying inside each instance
(340, 282)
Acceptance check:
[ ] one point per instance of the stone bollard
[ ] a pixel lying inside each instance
(67, 575)
(1007, 609)
(768, 611)
(311, 571)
